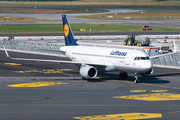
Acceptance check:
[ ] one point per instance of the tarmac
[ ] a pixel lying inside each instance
(43, 91)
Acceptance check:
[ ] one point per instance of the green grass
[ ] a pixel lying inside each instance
(167, 4)
(48, 10)
(75, 28)
(149, 15)
(163, 0)
(86, 11)
(22, 19)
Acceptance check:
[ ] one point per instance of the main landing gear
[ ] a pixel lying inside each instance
(83, 78)
(123, 75)
(136, 78)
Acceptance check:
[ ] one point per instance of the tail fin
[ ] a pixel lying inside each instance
(68, 35)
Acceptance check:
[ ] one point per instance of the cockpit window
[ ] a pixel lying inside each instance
(141, 58)
(138, 58)
(147, 58)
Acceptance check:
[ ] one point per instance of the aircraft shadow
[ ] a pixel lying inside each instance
(106, 76)
(131, 78)
(170, 74)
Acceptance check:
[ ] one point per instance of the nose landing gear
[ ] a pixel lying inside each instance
(136, 78)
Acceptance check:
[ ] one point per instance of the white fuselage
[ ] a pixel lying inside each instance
(113, 58)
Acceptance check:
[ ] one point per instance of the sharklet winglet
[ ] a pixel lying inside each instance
(6, 51)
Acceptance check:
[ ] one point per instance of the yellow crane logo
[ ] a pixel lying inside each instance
(66, 30)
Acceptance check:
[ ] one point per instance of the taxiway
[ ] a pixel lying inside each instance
(43, 91)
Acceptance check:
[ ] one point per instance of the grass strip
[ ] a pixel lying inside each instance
(159, 4)
(76, 28)
(22, 19)
(46, 10)
(147, 15)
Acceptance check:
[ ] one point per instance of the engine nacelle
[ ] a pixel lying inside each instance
(88, 72)
(147, 73)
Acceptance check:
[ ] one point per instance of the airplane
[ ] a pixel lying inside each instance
(90, 60)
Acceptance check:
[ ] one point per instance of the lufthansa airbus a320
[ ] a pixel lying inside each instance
(90, 60)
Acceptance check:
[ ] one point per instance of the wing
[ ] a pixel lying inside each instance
(175, 51)
(42, 60)
(99, 66)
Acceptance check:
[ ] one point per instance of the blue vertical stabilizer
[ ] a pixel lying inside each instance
(68, 35)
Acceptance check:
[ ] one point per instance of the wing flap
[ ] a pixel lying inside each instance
(51, 50)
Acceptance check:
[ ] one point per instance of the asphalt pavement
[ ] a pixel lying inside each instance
(43, 91)
(73, 18)
(90, 33)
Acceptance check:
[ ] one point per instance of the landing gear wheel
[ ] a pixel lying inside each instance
(123, 75)
(136, 81)
(136, 78)
(120, 76)
(83, 78)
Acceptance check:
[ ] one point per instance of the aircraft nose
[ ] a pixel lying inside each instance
(148, 66)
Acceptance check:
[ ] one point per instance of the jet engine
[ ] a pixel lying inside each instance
(147, 73)
(88, 72)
